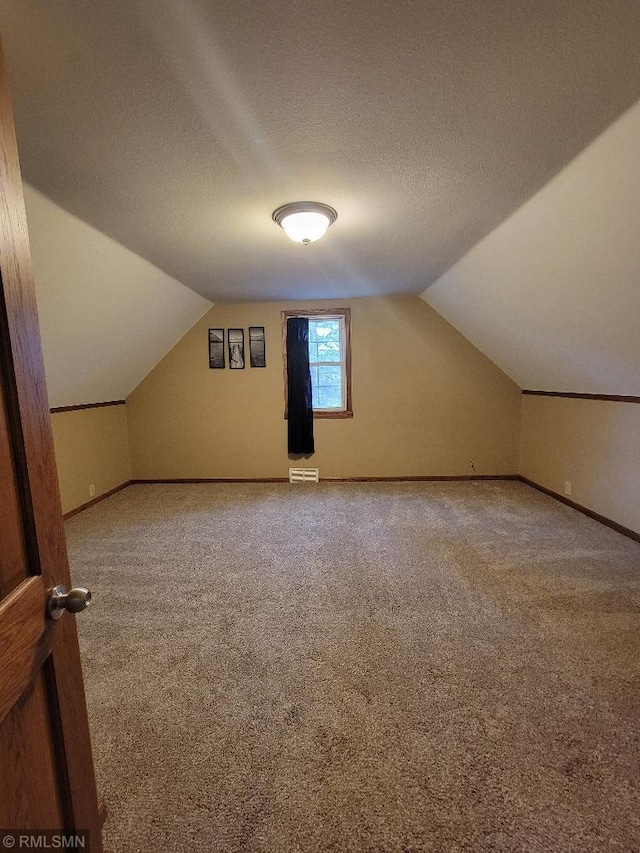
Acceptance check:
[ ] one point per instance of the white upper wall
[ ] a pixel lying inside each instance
(552, 295)
(106, 315)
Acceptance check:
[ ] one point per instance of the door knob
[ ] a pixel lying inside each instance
(74, 601)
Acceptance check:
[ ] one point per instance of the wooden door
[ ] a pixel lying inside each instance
(46, 769)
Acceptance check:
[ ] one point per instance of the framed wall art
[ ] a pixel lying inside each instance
(235, 338)
(257, 352)
(216, 348)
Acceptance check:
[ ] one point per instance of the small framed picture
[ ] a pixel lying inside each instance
(257, 352)
(235, 338)
(216, 348)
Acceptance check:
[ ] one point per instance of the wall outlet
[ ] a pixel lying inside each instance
(567, 487)
(92, 490)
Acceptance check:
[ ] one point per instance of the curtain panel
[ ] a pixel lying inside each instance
(299, 395)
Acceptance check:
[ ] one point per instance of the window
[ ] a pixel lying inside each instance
(327, 363)
(329, 360)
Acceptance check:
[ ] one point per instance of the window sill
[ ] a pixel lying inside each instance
(328, 415)
(344, 414)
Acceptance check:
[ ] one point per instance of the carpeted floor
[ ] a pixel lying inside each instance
(360, 667)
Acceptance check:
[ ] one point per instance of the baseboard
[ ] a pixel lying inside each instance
(444, 478)
(97, 500)
(578, 395)
(619, 528)
(210, 480)
(58, 409)
(405, 479)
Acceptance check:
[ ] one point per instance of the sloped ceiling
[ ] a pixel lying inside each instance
(177, 126)
(106, 316)
(552, 295)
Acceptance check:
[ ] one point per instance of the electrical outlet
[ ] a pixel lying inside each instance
(92, 490)
(567, 487)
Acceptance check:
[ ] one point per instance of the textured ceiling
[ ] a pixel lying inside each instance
(177, 126)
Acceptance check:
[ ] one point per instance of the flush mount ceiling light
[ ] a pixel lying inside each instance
(305, 221)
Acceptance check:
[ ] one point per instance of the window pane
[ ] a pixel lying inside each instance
(329, 375)
(327, 388)
(327, 397)
(328, 330)
(328, 351)
(313, 334)
(324, 330)
(313, 352)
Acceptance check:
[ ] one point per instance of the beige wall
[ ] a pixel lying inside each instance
(425, 401)
(91, 447)
(593, 444)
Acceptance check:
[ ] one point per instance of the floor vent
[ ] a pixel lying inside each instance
(303, 475)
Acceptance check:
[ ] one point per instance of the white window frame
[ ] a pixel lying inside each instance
(343, 361)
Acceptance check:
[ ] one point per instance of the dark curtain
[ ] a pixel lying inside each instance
(299, 398)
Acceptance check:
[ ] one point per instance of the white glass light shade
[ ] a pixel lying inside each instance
(306, 226)
(305, 221)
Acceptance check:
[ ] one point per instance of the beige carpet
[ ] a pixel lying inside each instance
(360, 667)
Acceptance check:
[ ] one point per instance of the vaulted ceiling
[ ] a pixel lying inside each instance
(552, 295)
(107, 316)
(177, 126)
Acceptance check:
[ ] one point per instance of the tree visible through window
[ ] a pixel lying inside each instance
(329, 360)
